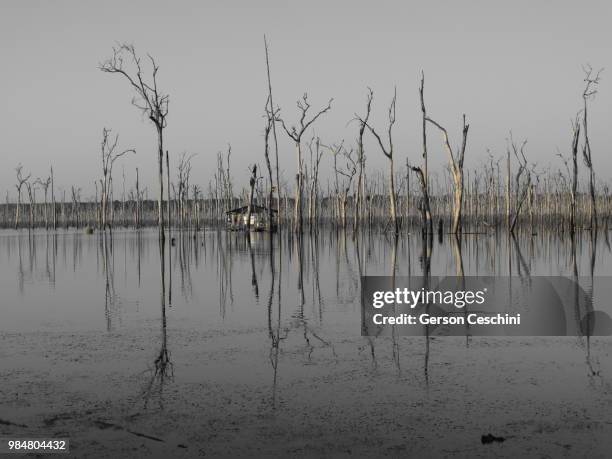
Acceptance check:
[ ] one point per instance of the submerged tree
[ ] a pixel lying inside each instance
(272, 118)
(591, 81)
(347, 171)
(44, 184)
(387, 151)
(21, 180)
(270, 122)
(252, 183)
(575, 138)
(422, 173)
(456, 167)
(522, 179)
(296, 133)
(361, 159)
(150, 100)
(313, 187)
(109, 156)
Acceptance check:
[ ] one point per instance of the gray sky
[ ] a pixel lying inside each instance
(506, 64)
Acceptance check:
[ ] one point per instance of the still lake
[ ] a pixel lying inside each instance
(262, 341)
(59, 281)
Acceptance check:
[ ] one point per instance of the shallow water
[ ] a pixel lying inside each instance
(274, 324)
(70, 281)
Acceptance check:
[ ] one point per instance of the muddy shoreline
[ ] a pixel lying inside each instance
(330, 400)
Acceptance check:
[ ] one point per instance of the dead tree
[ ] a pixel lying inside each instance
(508, 186)
(295, 133)
(422, 173)
(574, 187)
(44, 184)
(31, 188)
(521, 187)
(228, 190)
(252, 182)
(76, 206)
(183, 176)
(388, 152)
(348, 172)
(137, 211)
(21, 180)
(109, 155)
(168, 210)
(361, 159)
(53, 199)
(335, 150)
(591, 80)
(150, 100)
(270, 121)
(424, 207)
(314, 182)
(274, 119)
(456, 169)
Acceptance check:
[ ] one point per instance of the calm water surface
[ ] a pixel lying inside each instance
(70, 281)
(263, 336)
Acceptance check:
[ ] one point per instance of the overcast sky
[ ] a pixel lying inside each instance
(506, 64)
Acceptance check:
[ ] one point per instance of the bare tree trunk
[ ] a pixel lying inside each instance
(53, 200)
(586, 150)
(252, 182)
(575, 138)
(388, 152)
(361, 161)
(298, 191)
(137, 201)
(427, 224)
(456, 168)
(160, 161)
(508, 204)
(278, 206)
(270, 121)
(151, 101)
(168, 180)
(392, 197)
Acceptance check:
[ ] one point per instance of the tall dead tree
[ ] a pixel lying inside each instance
(574, 188)
(295, 133)
(361, 159)
(137, 203)
(270, 121)
(274, 119)
(150, 100)
(388, 152)
(508, 188)
(591, 81)
(456, 168)
(168, 209)
(422, 173)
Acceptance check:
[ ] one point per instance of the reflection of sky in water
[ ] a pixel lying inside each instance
(59, 282)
